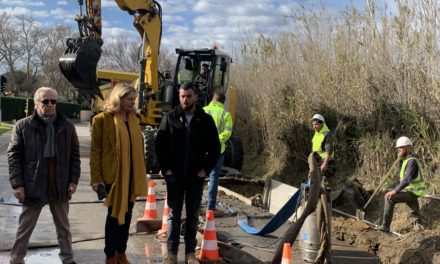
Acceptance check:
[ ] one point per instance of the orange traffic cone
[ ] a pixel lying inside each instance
(287, 254)
(150, 212)
(209, 252)
(166, 211)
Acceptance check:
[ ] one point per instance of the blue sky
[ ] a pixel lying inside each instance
(186, 23)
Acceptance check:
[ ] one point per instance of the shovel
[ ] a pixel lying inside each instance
(360, 213)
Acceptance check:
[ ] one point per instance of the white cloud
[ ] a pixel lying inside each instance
(21, 3)
(38, 14)
(60, 13)
(108, 3)
(178, 29)
(62, 2)
(115, 32)
(169, 19)
(16, 11)
(288, 9)
(176, 6)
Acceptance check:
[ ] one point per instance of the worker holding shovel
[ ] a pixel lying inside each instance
(410, 188)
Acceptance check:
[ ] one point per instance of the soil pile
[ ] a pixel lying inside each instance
(412, 248)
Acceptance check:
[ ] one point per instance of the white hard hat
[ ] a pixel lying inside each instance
(403, 141)
(318, 117)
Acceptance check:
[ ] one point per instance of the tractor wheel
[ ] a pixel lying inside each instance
(150, 154)
(234, 153)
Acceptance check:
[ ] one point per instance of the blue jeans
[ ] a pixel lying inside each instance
(188, 189)
(213, 182)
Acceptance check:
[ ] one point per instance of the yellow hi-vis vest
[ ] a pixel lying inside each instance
(416, 186)
(223, 122)
(317, 140)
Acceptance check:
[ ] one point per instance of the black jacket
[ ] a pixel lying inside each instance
(29, 169)
(186, 150)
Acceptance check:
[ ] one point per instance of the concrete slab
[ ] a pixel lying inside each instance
(279, 193)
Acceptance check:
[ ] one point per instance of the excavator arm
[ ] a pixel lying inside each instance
(79, 62)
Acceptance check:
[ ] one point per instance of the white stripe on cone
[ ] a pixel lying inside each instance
(210, 225)
(209, 245)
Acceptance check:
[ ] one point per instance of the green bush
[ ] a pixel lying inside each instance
(14, 108)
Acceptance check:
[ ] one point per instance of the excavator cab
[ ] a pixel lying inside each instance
(188, 67)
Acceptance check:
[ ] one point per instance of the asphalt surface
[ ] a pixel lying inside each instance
(87, 218)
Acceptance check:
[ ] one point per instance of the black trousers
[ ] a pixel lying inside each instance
(116, 236)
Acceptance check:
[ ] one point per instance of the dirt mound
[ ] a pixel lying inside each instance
(412, 248)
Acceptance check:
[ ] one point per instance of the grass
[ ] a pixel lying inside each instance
(4, 127)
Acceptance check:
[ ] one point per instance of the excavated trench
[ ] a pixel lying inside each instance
(410, 248)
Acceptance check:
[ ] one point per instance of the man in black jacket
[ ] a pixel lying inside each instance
(44, 168)
(187, 148)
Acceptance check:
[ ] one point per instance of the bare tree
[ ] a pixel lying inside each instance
(28, 41)
(51, 47)
(121, 54)
(10, 51)
(124, 54)
(167, 61)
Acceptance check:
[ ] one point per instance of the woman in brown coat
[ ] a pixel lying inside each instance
(117, 163)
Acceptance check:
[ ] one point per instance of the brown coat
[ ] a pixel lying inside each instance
(117, 158)
(103, 154)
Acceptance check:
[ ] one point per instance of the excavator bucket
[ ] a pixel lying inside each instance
(79, 63)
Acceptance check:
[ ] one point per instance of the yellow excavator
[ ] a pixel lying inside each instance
(157, 93)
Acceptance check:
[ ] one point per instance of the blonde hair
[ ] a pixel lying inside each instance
(41, 90)
(113, 102)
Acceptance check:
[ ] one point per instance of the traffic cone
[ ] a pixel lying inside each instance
(166, 211)
(150, 212)
(209, 252)
(287, 254)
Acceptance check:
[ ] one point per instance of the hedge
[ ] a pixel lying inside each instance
(14, 108)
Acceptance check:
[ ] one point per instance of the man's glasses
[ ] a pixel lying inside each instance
(47, 101)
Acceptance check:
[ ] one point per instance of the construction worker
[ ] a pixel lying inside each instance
(223, 122)
(202, 77)
(410, 188)
(322, 143)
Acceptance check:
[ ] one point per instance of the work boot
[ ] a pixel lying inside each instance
(111, 260)
(122, 258)
(383, 228)
(191, 259)
(170, 259)
(418, 227)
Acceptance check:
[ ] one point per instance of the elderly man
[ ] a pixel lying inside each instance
(410, 188)
(44, 168)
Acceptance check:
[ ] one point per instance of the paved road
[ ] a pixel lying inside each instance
(87, 223)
